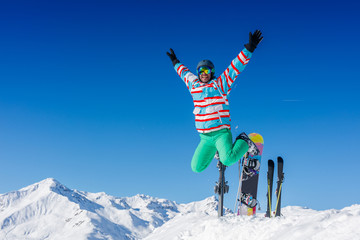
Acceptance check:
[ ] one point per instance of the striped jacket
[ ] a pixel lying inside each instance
(211, 99)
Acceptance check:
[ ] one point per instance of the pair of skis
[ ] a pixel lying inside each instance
(270, 178)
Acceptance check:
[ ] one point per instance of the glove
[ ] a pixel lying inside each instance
(254, 40)
(172, 57)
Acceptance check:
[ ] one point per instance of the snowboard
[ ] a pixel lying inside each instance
(249, 178)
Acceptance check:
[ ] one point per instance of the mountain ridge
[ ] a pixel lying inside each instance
(48, 209)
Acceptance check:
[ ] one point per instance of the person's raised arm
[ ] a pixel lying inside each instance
(181, 70)
(227, 78)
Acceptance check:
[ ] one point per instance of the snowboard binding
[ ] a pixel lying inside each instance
(251, 167)
(248, 200)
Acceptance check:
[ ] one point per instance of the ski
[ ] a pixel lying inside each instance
(221, 187)
(280, 172)
(270, 177)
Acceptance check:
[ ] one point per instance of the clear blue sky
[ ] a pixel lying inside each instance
(89, 97)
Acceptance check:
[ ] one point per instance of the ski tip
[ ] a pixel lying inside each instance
(271, 162)
(280, 159)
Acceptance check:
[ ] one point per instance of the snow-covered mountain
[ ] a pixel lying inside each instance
(49, 210)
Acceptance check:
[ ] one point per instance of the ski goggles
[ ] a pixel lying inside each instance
(204, 69)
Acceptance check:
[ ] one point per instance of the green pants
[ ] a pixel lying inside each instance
(220, 141)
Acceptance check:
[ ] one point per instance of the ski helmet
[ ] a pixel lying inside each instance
(206, 63)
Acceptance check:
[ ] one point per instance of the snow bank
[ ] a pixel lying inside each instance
(297, 223)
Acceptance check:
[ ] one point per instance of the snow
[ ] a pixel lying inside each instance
(297, 223)
(49, 210)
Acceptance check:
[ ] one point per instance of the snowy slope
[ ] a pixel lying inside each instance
(49, 210)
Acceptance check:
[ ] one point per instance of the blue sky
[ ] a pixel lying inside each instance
(89, 97)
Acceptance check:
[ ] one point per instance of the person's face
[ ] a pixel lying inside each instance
(205, 74)
(205, 77)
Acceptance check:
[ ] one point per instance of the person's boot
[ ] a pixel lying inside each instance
(253, 150)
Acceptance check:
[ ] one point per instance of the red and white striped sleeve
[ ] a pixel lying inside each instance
(185, 74)
(228, 77)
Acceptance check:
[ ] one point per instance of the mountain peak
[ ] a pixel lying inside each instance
(49, 181)
(44, 185)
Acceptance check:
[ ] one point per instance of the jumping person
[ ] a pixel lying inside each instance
(212, 116)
